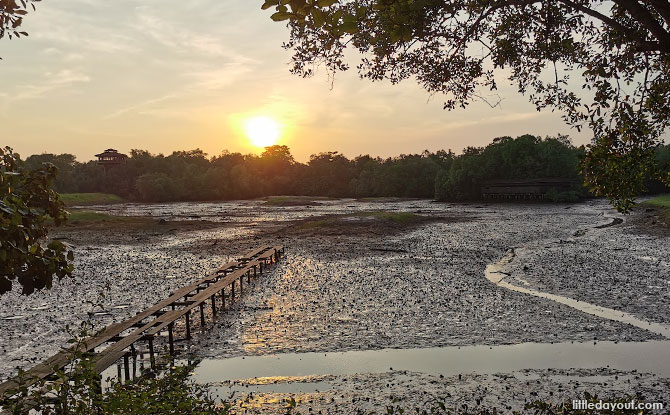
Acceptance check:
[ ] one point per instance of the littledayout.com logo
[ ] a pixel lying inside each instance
(613, 406)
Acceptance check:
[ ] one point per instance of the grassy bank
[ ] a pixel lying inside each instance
(662, 201)
(83, 199)
(662, 205)
(89, 217)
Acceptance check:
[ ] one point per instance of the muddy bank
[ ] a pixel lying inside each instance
(652, 221)
(365, 224)
(421, 286)
(133, 230)
(616, 267)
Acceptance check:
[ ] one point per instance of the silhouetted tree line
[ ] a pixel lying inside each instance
(192, 175)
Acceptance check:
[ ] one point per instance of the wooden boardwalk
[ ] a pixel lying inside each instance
(120, 338)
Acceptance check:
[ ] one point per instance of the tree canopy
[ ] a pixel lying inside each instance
(604, 65)
(192, 175)
(27, 203)
(11, 16)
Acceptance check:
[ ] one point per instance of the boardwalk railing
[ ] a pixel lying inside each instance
(122, 337)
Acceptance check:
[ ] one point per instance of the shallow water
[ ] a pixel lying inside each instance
(646, 357)
(282, 387)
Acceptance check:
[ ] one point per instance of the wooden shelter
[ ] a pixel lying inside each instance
(111, 157)
(524, 189)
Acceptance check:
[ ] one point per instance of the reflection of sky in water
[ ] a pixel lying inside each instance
(646, 357)
(279, 387)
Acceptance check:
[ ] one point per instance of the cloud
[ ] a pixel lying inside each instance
(215, 78)
(179, 39)
(52, 81)
(511, 117)
(138, 106)
(70, 28)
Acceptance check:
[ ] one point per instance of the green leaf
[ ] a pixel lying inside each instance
(279, 16)
(326, 3)
(318, 16)
(349, 27)
(269, 3)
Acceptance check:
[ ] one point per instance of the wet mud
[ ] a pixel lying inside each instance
(504, 392)
(419, 286)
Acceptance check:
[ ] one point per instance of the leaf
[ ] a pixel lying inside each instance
(349, 27)
(326, 3)
(318, 16)
(279, 16)
(269, 3)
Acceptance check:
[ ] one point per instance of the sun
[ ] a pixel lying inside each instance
(262, 131)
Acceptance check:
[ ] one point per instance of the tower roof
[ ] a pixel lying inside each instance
(111, 153)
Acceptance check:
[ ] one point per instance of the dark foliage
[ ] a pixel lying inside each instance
(192, 176)
(603, 65)
(526, 157)
(76, 390)
(27, 203)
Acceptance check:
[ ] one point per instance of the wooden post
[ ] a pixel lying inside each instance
(152, 360)
(241, 280)
(248, 276)
(188, 325)
(126, 365)
(254, 270)
(118, 372)
(232, 292)
(98, 383)
(214, 305)
(171, 338)
(202, 317)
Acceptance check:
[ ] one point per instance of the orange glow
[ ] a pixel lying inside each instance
(262, 131)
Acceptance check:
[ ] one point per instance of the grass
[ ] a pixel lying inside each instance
(382, 216)
(292, 200)
(83, 199)
(82, 218)
(395, 217)
(662, 201)
(88, 216)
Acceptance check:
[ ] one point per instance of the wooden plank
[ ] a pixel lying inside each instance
(159, 318)
(117, 350)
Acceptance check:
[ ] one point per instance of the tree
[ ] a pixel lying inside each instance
(64, 163)
(604, 65)
(11, 16)
(27, 203)
(524, 157)
(327, 174)
(156, 187)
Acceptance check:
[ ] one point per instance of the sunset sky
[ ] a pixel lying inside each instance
(165, 75)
